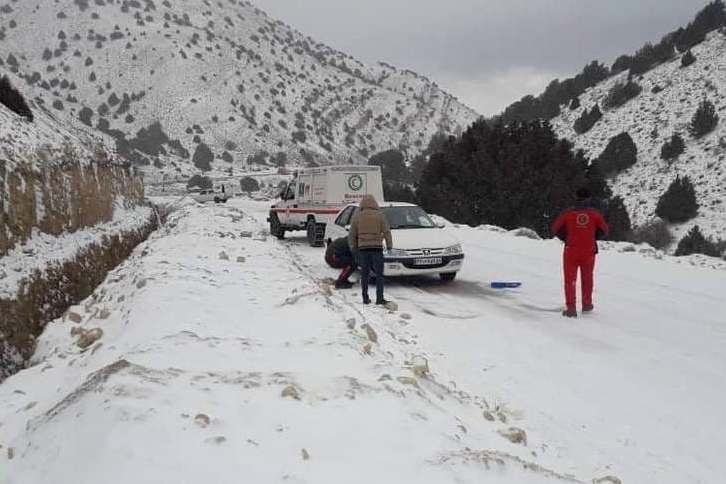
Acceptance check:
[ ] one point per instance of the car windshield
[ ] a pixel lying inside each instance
(408, 218)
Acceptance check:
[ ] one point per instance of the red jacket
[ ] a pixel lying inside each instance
(579, 228)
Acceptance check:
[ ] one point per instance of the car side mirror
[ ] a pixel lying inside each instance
(440, 226)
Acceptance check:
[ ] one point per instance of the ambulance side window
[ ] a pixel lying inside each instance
(290, 195)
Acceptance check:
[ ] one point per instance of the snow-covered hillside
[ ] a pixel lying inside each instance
(219, 354)
(216, 74)
(651, 119)
(30, 143)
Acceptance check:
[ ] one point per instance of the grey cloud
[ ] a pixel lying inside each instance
(493, 43)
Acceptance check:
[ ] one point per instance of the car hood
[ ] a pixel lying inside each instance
(409, 239)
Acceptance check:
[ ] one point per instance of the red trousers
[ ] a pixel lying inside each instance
(346, 273)
(585, 263)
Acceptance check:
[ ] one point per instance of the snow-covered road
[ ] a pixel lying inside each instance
(226, 357)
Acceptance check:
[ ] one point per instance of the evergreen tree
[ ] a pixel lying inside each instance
(655, 233)
(596, 182)
(203, 157)
(587, 120)
(418, 164)
(13, 100)
(621, 64)
(694, 242)
(249, 184)
(547, 105)
(704, 120)
(279, 159)
(393, 166)
(673, 148)
(678, 203)
(688, 59)
(618, 220)
(200, 181)
(710, 18)
(396, 176)
(622, 93)
(651, 55)
(399, 192)
(515, 175)
(620, 154)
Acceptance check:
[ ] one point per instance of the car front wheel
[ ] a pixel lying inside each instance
(315, 233)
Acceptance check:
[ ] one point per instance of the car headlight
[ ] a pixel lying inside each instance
(397, 253)
(454, 249)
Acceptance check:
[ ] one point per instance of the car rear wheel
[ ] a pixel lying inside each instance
(316, 233)
(216, 199)
(447, 276)
(276, 229)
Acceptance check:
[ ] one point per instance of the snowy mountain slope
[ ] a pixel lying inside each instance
(668, 111)
(225, 353)
(26, 142)
(219, 73)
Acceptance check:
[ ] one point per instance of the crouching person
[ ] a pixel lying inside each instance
(339, 256)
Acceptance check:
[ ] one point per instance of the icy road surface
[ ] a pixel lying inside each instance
(226, 357)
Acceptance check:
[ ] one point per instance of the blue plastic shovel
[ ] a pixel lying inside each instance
(505, 285)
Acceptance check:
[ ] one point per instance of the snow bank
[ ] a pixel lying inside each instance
(41, 278)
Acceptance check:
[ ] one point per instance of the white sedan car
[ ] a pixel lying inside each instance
(210, 195)
(420, 246)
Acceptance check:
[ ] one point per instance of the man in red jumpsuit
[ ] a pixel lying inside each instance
(579, 228)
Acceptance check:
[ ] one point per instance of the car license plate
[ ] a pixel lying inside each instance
(429, 261)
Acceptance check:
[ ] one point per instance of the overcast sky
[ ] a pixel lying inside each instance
(489, 53)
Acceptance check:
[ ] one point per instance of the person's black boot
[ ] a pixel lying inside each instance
(366, 300)
(343, 284)
(570, 312)
(382, 302)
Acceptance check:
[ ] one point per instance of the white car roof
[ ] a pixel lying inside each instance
(398, 204)
(388, 204)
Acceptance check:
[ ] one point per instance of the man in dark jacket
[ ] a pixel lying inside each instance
(579, 227)
(339, 256)
(368, 229)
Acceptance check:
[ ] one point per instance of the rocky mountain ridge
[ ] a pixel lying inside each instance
(217, 84)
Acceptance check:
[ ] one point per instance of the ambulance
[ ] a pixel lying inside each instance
(315, 196)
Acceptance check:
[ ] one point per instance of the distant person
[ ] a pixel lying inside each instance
(339, 256)
(579, 228)
(367, 231)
